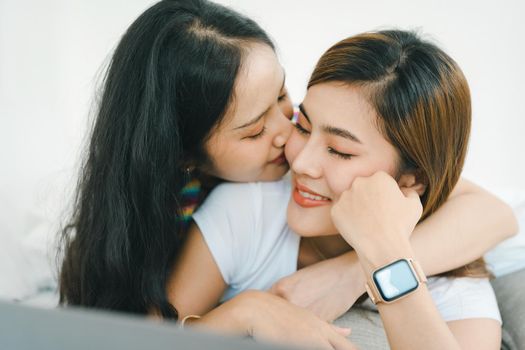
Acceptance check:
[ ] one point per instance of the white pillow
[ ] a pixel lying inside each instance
(509, 255)
(26, 253)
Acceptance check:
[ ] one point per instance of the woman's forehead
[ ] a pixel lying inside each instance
(258, 85)
(345, 109)
(341, 106)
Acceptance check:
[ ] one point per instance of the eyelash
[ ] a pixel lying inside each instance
(256, 136)
(300, 129)
(303, 131)
(339, 154)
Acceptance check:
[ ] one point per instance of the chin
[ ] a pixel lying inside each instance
(309, 222)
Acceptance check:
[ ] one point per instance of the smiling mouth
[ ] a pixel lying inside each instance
(306, 198)
(314, 197)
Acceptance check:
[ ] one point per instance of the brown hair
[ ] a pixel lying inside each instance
(423, 105)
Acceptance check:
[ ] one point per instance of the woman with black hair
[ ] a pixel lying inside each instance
(194, 95)
(168, 87)
(165, 121)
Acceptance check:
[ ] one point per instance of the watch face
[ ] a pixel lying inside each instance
(395, 280)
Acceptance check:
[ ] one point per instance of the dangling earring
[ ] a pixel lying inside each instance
(189, 173)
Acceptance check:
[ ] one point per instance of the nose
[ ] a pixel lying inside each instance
(308, 160)
(283, 128)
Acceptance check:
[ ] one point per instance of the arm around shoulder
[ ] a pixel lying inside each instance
(469, 223)
(492, 210)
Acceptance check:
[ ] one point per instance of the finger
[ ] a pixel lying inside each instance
(278, 289)
(273, 290)
(341, 343)
(345, 332)
(409, 192)
(321, 345)
(413, 196)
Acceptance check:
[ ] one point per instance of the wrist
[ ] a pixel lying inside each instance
(383, 253)
(234, 316)
(353, 275)
(242, 311)
(246, 309)
(396, 280)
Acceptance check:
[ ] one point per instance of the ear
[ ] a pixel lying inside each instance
(414, 181)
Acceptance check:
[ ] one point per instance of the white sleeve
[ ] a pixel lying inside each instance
(464, 297)
(229, 211)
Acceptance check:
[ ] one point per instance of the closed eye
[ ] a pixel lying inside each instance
(338, 154)
(300, 129)
(297, 125)
(256, 136)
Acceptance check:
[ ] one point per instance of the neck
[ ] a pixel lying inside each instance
(331, 246)
(315, 249)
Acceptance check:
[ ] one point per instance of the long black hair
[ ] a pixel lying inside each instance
(167, 87)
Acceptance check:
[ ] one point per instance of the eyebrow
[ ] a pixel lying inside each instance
(332, 130)
(256, 119)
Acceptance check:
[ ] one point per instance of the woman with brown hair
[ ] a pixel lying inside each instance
(379, 145)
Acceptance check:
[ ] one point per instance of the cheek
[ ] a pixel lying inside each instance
(214, 150)
(247, 158)
(339, 181)
(341, 176)
(229, 158)
(245, 154)
(294, 145)
(219, 159)
(258, 153)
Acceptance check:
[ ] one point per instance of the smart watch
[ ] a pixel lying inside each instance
(395, 280)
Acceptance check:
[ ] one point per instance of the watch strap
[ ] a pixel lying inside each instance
(371, 287)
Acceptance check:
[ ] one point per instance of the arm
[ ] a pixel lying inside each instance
(266, 317)
(407, 329)
(196, 286)
(471, 222)
(412, 321)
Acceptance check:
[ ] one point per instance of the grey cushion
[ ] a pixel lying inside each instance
(510, 293)
(367, 328)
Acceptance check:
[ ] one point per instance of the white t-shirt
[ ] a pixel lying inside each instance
(244, 226)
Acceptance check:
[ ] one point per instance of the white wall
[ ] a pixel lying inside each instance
(486, 38)
(51, 53)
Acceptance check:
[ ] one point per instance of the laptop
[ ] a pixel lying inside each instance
(24, 327)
